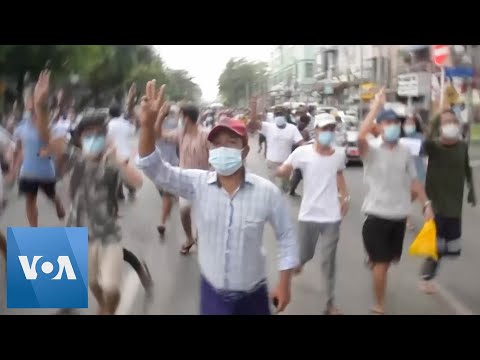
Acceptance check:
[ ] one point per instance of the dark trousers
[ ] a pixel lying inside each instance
(131, 190)
(220, 302)
(449, 233)
(296, 178)
(261, 139)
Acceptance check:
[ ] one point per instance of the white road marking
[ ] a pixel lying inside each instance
(130, 290)
(452, 301)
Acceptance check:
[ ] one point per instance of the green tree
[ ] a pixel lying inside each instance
(240, 79)
(24, 62)
(144, 72)
(104, 71)
(181, 87)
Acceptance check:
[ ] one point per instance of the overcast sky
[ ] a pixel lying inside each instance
(206, 62)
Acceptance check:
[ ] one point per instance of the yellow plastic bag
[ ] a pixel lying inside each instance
(425, 244)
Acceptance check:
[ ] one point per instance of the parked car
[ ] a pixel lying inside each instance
(351, 148)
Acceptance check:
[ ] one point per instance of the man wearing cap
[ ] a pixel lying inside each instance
(325, 199)
(281, 137)
(231, 207)
(391, 178)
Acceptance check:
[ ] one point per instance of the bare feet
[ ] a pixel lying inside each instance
(185, 250)
(332, 310)
(377, 310)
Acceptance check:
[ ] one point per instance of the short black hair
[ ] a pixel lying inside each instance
(305, 119)
(190, 111)
(115, 111)
(88, 121)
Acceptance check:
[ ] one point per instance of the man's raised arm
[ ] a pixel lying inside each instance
(369, 122)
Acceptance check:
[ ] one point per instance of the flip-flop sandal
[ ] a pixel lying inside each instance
(374, 311)
(161, 230)
(186, 249)
(428, 288)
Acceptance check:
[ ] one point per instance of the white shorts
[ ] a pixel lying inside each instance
(184, 203)
(105, 265)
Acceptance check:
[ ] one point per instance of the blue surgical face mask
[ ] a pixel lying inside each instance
(392, 133)
(325, 138)
(93, 145)
(225, 161)
(409, 129)
(281, 121)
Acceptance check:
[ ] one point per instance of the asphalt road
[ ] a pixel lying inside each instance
(177, 277)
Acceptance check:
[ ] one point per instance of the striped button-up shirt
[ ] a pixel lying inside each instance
(230, 227)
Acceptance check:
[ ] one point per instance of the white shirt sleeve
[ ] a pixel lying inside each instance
(265, 128)
(342, 160)
(292, 159)
(297, 136)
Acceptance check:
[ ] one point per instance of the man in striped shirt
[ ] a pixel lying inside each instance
(191, 138)
(231, 207)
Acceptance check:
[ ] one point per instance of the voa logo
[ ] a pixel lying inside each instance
(47, 268)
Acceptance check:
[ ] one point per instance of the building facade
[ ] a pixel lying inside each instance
(292, 70)
(343, 69)
(350, 74)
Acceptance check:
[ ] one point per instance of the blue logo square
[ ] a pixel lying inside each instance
(47, 267)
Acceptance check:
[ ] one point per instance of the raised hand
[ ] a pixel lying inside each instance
(60, 95)
(132, 92)
(40, 93)
(151, 104)
(162, 114)
(380, 97)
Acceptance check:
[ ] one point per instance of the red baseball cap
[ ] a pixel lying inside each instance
(237, 126)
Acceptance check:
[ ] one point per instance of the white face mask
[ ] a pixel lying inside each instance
(451, 131)
(409, 129)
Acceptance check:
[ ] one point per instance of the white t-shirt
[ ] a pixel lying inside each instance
(120, 133)
(280, 141)
(320, 203)
(62, 128)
